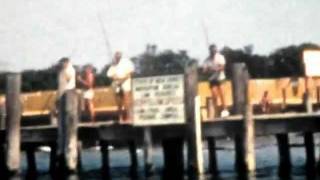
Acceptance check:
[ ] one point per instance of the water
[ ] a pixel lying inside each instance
(266, 159)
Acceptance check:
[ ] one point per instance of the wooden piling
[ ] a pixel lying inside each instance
(212, 156)
(134, 158)
(195, 154)
(148, 152)
(310, 153)
(173, 157)
(105, 158)
(53, 158)
(245, 142)
(284, 154)
(31, 159)
(13, 107)
(67, 131)
(79, 167)
(249, 135)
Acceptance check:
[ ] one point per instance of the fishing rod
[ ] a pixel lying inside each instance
(105, 35)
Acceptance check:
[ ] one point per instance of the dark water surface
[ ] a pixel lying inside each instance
(266, 159)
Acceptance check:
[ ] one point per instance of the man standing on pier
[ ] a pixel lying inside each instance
(215, 65)
(66, 77)
(121, 72)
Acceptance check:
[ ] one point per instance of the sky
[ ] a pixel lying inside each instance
(36, 34)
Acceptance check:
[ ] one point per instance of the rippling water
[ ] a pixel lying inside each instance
(266, 159)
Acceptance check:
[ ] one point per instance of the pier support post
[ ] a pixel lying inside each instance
(79, 167)
(13, 107)
(133, 158)
(31, 159)
(195, 154)
(213, 167)
(53, 158)
(67, 131)
(148, 152)
(105, 158)
(310, 153)
(245, 142)
(284, 154)
(173, 158)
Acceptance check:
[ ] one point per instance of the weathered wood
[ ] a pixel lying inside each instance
(133, 158)
(105, 158)
(173, 157)
(310, 153)
(212, 155)
(195, 164)
(148, 152)
(249, 135)
(239, 101)
(239, 87)
(244, 142)
(68, 131)
(13, 107)
(284, 154)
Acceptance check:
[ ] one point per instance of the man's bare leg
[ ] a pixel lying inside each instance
(119, 101)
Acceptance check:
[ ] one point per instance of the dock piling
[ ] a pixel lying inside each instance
(148, 151)
(284, 153)
(310, 153)
(244, 142)
(31, 159)
(134, 158)
(213, 167)
(105, 158)
(13, 107)
(68, 131)
(173, 157)
(195, 154)
(53, 158)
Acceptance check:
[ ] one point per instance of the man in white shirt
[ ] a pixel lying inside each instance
(121, 72)
(215, 64)
(66, 77)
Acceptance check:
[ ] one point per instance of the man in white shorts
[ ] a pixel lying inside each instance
(121, 72)
(215, 65)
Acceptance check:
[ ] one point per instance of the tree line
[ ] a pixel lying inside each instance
(283, 62)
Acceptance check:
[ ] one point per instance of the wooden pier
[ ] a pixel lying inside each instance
(69, 136)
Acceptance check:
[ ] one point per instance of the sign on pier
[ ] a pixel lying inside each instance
(158, 100)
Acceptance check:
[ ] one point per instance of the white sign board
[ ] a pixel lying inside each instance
(158, 100)
(311, 59)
